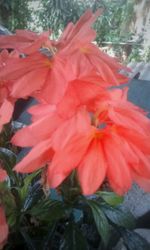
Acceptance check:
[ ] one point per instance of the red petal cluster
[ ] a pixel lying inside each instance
(80, 122)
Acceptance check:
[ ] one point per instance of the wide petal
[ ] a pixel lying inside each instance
(130, 119)
(137, 139)
(38, 131)
(6, 111)
(41, 154)
(30, 82)
(39, 110)
(80, 93)
(118, 171)
(92, 169)
(56, 83)
(78, 124)
(67, 159)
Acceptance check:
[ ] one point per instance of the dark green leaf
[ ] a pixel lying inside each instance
(119, 217)
(7, 156)
(133, 241)
(73, 239)
(8, 159)
(23, 191)
(35, 194)
(9, 202)
(48, 210)
(100, 221)
(28, 240)
(111, 198)
(48, 238)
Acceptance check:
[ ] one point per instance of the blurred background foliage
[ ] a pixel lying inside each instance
(115, 28)
(15, 14)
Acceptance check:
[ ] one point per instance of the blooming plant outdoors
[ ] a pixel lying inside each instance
(88, 143)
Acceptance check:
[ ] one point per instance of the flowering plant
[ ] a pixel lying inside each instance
(88, 143)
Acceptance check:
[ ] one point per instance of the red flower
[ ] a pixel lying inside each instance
(71, 58)
(34, 72)
(112, 153)
(80, 122)
(112, 146)
(76, 42)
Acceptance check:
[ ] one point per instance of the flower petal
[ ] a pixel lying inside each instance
(92, 169)
(37, 157)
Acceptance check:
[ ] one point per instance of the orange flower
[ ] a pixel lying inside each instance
(47, 76)
(102, 153)
(76, 42)
(46, 141)
(112, 146)
(80, 122)
(34, 72)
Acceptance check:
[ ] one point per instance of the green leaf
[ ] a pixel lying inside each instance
(100, 221)
(9, 160)
(48, 210)
(133, 241)
(23, 191)
(73, 239)
(7, 156)
(119, 217)
(8, 200)
(35, 194)
(111, 198)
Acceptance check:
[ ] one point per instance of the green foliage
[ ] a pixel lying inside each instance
(111, 26)
(73, 238)
(41, 222)
(15, 14)
(100, 221)
(52, 210)
(110, 198)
